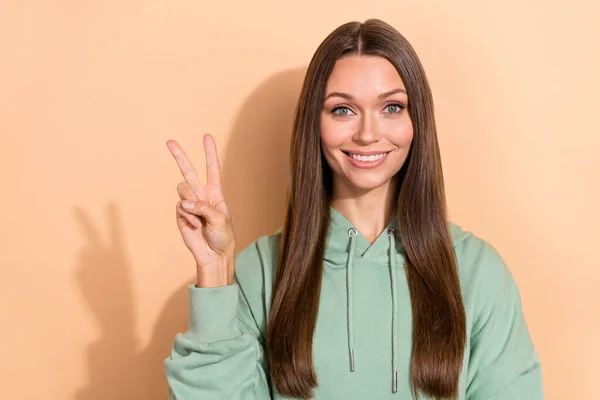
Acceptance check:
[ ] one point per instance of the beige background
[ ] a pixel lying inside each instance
(93, 267)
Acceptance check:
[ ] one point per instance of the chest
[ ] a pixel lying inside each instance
(371, 328)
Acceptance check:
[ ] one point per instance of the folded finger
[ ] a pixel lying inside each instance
(185, 216)
(205, 210)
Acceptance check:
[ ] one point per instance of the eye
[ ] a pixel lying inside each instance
(341, 111)
(394, 108)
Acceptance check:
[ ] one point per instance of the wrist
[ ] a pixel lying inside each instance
(217, 275)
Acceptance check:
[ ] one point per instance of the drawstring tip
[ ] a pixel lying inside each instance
(351, 361)
(395, 382)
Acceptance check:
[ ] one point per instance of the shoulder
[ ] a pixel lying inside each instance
(255, 267)
(486, 281)
(259, 259)
(477, 258)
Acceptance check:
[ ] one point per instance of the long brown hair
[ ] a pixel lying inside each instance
(439, 322)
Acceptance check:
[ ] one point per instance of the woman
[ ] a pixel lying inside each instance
(367, 291)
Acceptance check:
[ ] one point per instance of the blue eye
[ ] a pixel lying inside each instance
(341, 111)
(394, 108)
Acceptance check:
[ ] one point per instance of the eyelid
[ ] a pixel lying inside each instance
(387, 104)
(337, 107)
(398, 104)
(341, 105)
(395, 103)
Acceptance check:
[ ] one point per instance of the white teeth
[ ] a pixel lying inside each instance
(368, 158)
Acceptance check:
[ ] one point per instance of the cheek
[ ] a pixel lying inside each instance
(335, 133)
(331, 139)
(327, 139)
(330, 134)
(402, 140)
(403, 135)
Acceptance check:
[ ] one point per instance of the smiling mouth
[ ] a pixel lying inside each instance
(371, 157)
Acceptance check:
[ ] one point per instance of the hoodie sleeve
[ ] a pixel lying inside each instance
(221, 355)
(503, 363)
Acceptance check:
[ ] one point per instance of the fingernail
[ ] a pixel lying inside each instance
(188, 205)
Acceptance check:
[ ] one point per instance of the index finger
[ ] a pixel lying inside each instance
(213, 168)
(186, 167)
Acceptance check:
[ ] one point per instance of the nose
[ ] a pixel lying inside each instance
(368, 132)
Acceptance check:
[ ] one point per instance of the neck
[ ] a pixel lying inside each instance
(369, 211)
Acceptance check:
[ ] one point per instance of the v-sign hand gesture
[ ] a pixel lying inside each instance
(203, 218)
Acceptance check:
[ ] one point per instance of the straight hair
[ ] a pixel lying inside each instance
(438, 315)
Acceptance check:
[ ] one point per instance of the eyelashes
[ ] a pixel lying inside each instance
(340, 108)
(399, 105)
(344, 110)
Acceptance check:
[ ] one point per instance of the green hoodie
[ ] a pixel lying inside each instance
(222, 354)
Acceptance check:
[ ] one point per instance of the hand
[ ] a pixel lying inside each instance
(206, 227)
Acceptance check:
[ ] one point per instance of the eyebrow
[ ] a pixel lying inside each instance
(350, 97)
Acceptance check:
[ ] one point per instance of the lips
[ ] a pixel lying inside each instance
(366, 159)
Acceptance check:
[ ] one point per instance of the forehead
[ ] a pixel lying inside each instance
(363, 76)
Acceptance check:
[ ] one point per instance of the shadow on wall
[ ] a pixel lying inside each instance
(254, 168)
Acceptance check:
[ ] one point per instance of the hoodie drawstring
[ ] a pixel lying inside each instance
(352, 232)
(392, 235)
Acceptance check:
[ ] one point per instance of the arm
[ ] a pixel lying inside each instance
(220, 356)
(503, 364)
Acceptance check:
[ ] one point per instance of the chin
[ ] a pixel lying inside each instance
(365, 184)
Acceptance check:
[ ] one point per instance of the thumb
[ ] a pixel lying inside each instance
(205, 210)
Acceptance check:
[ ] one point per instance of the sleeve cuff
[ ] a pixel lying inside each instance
(213, 313)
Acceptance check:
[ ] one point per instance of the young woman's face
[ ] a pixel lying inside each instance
(366, 131)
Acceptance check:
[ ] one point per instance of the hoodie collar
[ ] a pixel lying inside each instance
(338, 244)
